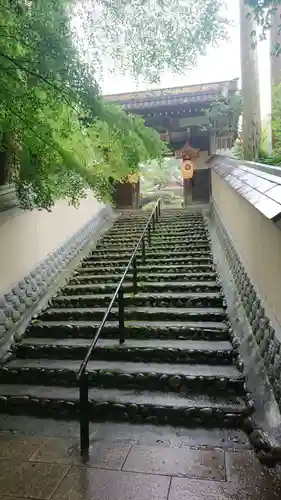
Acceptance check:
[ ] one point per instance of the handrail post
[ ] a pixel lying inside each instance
(149, 235)
(153, 221)
(82, 376)
(159, 209)
(84, 414)
(121, 315)
(143, 250)
(135, 276)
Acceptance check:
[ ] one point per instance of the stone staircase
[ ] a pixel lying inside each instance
(179, 364)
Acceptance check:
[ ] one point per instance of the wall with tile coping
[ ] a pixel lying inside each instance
(34, 248)
(252, 246)
(256, 239)
(27, 237)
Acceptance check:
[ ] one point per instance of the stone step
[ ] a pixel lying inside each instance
(177, 351)
(182, 274)
(156, 243)
(181, 221)
(183, 268)
(175, 222)
(166, 377)
(180, 246)
(126, 225)
(164, 213)
(86, 275)
(124, 230)
(136, 217)
(156, 236)
(119, 238)
(165, 216)
(150, 287)
(140, 223)
(198, 299)
(173, 214)
(162, 226)
(182, 330)
(136, 313)
(192, 258)
(135, 406)
(200, 251)
(159, 230)
(194, 210)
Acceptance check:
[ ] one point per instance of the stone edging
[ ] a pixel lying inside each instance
(25, 293)
(263, 331)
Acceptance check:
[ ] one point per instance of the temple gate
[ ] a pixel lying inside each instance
(179, 115)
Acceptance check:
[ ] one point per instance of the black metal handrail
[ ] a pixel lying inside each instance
(82, 374)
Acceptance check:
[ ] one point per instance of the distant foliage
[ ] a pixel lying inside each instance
(275, 157)
(223, 115)
(156, 175)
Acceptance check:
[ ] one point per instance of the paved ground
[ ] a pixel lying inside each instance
(133, 463)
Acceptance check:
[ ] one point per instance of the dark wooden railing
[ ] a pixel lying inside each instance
(82, 375)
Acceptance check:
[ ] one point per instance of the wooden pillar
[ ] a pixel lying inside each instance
(212, 143)
(136, 195)
(187, 192)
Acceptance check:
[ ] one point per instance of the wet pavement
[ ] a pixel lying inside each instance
(122, 466)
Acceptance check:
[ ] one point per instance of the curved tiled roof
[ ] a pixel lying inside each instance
(205, 92)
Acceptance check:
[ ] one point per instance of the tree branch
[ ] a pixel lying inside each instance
(26, 122)
(40, 77)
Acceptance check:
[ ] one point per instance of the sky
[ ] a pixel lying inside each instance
(220, 63)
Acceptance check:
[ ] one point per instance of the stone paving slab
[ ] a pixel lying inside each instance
(18, 448)
(51, 468)
(243, 468)
(193, 463)
(187, 489)
(30, 480)
(93, 484)
(102, 455)
(145, 434)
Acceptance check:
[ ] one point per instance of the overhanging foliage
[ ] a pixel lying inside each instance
(58, 136)
(263, 12)
(61, 137)
(275, 157)
(146, 37)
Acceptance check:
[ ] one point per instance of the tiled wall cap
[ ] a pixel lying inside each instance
(33, 286)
